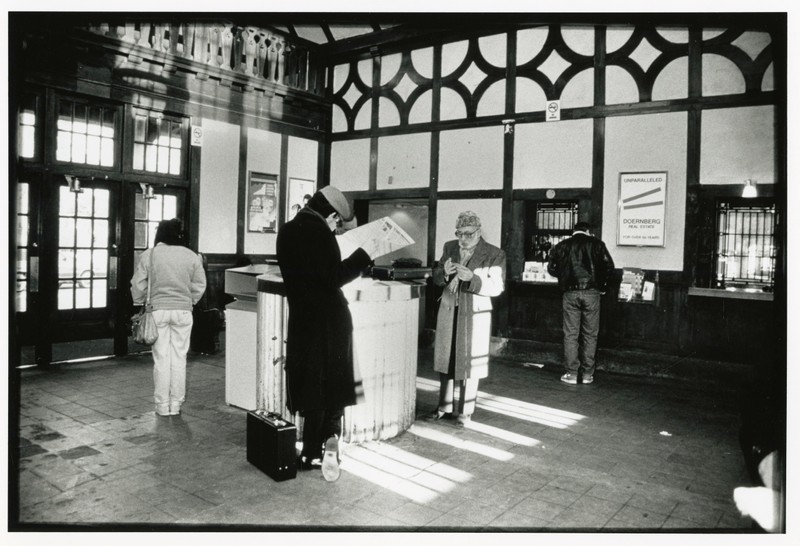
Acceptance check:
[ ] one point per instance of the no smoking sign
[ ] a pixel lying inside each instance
(552, 110)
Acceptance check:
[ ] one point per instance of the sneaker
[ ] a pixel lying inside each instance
(305, 464)
(330, 460)
(463, 420)
(163, 411)
(437, 415)
(587, 379)
(570, 378)
(175, 408)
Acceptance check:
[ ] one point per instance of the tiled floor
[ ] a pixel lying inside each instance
(626, 453)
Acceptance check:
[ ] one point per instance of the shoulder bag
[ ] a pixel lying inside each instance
(144, 328)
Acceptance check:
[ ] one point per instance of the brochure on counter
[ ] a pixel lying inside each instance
(390, 236)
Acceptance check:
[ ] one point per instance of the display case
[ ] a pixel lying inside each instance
(240, 334)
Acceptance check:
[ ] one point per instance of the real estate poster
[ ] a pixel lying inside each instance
(642, 206)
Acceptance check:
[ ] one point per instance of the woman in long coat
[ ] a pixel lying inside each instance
(472, 271)
(319, 352)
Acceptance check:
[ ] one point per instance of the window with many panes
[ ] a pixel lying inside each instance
(83, 237)
(745, 250)
(549, 223)
(28, 123)
(23, 239)
(85, 134)
(159, 143)
(148, 213)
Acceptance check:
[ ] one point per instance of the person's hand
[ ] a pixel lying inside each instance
(449, 267)
(464, 273)
(376, 248)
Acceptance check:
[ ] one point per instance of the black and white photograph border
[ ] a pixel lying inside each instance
(655, 449)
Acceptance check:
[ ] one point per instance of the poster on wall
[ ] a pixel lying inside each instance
(642, 207)
(300, 191)
(262, 203)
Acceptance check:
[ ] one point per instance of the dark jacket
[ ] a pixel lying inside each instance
(319, 351)
(581, 262)
(473, 302)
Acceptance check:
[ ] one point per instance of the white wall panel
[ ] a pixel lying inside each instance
(471, 159)
(350, 164)
(219, 184)
(654, 142)
(263, 156)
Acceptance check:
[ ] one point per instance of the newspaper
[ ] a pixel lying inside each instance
(385, 233)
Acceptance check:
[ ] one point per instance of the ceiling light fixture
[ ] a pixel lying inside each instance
(749, 189)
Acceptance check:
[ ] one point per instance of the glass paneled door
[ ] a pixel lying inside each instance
(77, 242)
(86, 249)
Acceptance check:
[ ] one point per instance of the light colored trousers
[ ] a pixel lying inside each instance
(169, 355)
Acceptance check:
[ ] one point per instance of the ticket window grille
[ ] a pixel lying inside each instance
(553, 222)
(745, 252)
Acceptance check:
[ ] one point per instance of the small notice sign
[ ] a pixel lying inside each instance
(552, 110)
(197, 135)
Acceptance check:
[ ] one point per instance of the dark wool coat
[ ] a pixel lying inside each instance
(474, 326)
(319, 352)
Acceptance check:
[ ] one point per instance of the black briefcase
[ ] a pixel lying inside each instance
(271, 445)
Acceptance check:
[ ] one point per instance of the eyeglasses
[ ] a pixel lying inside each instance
(466, 234)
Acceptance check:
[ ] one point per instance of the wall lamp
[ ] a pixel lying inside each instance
(147, 190)
(74, 184)
(749, 189)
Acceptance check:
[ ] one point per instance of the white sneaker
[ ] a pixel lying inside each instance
(570, 378)
(175, 408)
(587, 379)
(330, 460)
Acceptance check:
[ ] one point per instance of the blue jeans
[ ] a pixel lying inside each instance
(581, 310)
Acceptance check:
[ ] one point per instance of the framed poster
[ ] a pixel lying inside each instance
(642, 208)
(300, 191)
(262, 203)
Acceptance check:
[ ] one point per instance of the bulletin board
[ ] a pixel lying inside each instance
(642, 208)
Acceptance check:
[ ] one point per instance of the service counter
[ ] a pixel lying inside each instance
(240, 335)
(385, 338)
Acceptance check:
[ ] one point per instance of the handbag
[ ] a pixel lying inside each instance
(143, 325)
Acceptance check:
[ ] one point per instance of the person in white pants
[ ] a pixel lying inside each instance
(177, 282)
(169, 356)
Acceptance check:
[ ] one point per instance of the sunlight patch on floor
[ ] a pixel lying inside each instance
(460, 443)
(502, 434)
(412, 476)
(422, 463)
(386, 480)
(534, 413)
